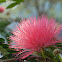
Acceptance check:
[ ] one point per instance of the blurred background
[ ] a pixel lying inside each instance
(15, 10)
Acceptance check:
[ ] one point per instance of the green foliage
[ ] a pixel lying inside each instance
(1, 40)
(7, 52)
(3, 25)
(59, 45)
(14, 4)
(60, 58)
(18, 1)
(4, 51)
(59, 20)
(51, 56)
(4, 48)
(1, 1)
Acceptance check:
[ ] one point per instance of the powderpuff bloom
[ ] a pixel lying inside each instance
(34, 34)
(2, 9)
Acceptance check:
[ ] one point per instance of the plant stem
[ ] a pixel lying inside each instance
(59, 57)
(43, 54)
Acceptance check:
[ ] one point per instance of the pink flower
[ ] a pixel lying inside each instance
(33, 34)
(2, 9)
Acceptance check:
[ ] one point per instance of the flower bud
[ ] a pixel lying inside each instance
(56, 52)
(2, 9)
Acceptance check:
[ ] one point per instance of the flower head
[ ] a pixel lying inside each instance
(34, 34)
(2, 9)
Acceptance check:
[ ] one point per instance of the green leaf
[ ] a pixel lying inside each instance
(6, 53)
(1, 40)
(50, 55)
(12, 5)
(55, 60)
(52, 48)
(3, 25)
(58, 43)
(2, 49)
(5, 45)
(60, 57)
(18, 0)
(1, 1)
(59, 46)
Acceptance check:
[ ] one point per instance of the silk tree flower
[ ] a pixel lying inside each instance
(2, 9)
(34, 34)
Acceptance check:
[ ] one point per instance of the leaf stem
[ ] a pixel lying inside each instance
(43, 54)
